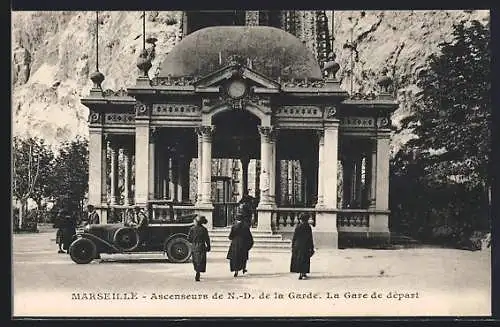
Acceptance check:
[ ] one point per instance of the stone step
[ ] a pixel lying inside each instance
(255, 237)
(259, 242)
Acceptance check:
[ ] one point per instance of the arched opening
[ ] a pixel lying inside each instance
(236, 154)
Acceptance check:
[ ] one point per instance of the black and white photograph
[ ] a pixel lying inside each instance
(251, 163)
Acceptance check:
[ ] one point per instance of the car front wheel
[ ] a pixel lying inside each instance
(82, 251)
(178, 250)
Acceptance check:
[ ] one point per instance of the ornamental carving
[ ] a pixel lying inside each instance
(112, 93)
(205, 130)
(363, 96)
(353, 220)
(305, 83)
(94, 117)
(362, 122)
(267, 132)
(330, 112)
(298, 111)
(119, 118)
(173, 81)
(383, 122)
(141, 109)
(175, 109)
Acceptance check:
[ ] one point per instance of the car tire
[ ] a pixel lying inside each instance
(82, 251)
(126, 238)
(178, 249)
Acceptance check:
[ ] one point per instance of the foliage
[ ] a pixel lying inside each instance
(440, 182)
(451, 118)
(70, 180)
(32, 160)
(42, 176)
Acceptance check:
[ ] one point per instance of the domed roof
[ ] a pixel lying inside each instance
(272, 51)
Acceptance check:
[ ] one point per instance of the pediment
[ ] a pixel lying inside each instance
(218, 78)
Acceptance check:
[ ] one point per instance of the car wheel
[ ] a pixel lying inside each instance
(82, 251)
(126, 239)
(178, 249)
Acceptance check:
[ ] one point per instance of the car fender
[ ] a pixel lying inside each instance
(98, 240)
(171, 237)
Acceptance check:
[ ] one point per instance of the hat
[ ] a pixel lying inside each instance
(304, 217)
(201, 219)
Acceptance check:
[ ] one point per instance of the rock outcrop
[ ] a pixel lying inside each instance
(54, 54)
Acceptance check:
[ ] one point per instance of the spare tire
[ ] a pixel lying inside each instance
(126, 238)
(82, 251)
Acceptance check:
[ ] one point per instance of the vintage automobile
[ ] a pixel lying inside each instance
(169, 237)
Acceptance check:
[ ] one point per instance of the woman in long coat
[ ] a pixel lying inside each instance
(200, 245)
(241, 242)
(302, 247)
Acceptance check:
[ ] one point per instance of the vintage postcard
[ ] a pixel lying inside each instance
(266, 163)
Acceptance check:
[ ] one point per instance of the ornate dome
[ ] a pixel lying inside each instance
(271, 51)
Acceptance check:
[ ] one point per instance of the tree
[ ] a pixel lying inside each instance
(70, 175)
(32, 161)
(446, 164)
(452, 117)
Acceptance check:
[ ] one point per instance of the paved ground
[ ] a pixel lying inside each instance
(353, 282)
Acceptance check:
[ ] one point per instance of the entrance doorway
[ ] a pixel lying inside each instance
(224, 207)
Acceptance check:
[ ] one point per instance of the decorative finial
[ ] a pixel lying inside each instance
(330, 67)
(385, 82)
(147, 55)
(97, 77)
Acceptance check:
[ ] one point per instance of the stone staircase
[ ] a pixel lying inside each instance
(263, 241)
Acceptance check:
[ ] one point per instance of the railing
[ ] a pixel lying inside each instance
(354, 220)
(285, 219)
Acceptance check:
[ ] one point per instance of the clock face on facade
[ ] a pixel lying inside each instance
(236, 89)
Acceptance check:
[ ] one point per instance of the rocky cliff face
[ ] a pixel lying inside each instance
(53, 54)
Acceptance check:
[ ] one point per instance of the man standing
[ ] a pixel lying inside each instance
(93, 217)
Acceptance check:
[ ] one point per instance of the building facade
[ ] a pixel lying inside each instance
(245, 89)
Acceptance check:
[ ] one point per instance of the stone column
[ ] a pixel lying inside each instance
(206, 166)
(142, 156)
(104, 170)
(175, 178)
(265, 204)
(114, 172)
(245, 160)
(204, 205)
(272, 169)
(151, 165)
(97, 170)
(379, 222)
(373, 174)
(126, 175)
(199, 166)
(266, 158)
(321, 145)
(330, 158)
(325, 232)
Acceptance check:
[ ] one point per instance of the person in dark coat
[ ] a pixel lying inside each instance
(59, 235)
(93, 217)
(200, 245)
(68, 229)
(302, 247)
(241, 242)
